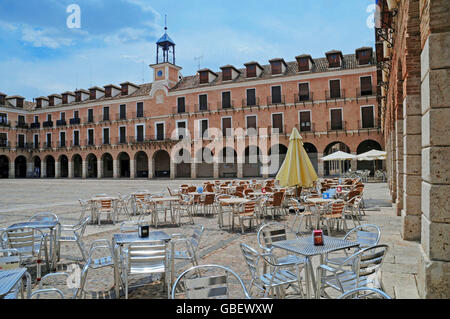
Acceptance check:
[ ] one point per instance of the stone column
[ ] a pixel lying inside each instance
(99, 169)
(354, 163)
(43, 169)
(115, 168)
(412, 168)
(150, 167)
(240, 170)
(12, 170)
(84, 169)
(265, 171)
(215, 169)
(71, 173)
(193, 170)
(320, 163)
(173, 169)
(399, 166)
(132, 168)
(57, 169)
(30, 170)
(433, 276)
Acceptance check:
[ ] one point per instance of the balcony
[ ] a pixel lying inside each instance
(4, 123)
(336, 127)
(47, 145)
(224, 106)
(36, 125)
(250, 102)
(179, 110)
(276, 100)
(62, 144)
(366, 92)
(203, 107)
(24, 146)
(277, 130)
(335, 94)
(4, 144)
(138, 115)
(48, 124)
(35, 146)
(120, 117)
(136, 140)
(303, 98)
(306, 127)
(75, 121)
(90, 120)
(369, 125)
(121, 140)
(22, 125)
(89, 142)
(61, 123)
(75, 144)
(104, 118)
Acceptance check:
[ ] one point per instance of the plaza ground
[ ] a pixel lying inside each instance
(20, 199)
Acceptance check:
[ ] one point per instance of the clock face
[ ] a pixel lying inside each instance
(160, 73)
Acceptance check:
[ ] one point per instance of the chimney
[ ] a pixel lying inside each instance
(112, 90)
(253, 69)
(229, 73)
(207, 76)
(334, 58)
(304, 62)
(128, 88)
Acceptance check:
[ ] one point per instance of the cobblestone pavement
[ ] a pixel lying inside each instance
(20, 199)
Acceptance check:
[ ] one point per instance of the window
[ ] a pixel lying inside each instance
(75, 114)
(122, 135)
(367, 117)
(364, 57)
(140, 133)
(92, 94)
(227, 74)
(334, 60)
(36, 119)
(3, 140)
(335, 89)
(181, 130)
(251, 70)
(49, 140)
(91, 137)
(303, 64)
(251, 97)
(160, 131)
(336, 119)
(91, 116)
(76, 138)
(203, 128)
(204, 77)
(226, 100)
(276, 94)
(366, 85)
(252, 125)
(62, 139)
(21, 120)
(305, 121)
(21, 141)
(106, 136)
(277, 123)
(140, 109)
(276, 67)
(36, 140)
(106, 113)
(303, 92)
(181, 104)
(62, 116)
(122, 112)
(49, 117)
(3, 119)
(203, 102)
(226, 126)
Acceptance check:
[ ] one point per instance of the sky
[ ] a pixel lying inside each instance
(44, 51)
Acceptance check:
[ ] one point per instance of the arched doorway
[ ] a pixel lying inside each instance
(77, 163)
(183, 163)
(20, 165)
(91, 161)
(141, 160)
(108, 162)
(364, 147)
(311, 150)
(336, 167)
(277, 154)
(50, 166)
(64, 166)
(252, 164)
(162, 164)
(36, 167)
(228, 163)
(4, 166)
(124, 165)
(205, 163)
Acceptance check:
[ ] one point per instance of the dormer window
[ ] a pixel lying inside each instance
(204, 77)
(92, 94)
(278, 66)
(128, 88)
(2, 99)
(253, 69)
(81, 95)
(227, 74)
(364, 56)
(304, 62)
(334, 59)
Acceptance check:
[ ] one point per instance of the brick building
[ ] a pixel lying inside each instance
(413, 54)
(232, 123)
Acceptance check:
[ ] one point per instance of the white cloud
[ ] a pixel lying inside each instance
(145, 7)
(44, 37)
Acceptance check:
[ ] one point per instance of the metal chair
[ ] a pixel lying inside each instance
(73, 234)
(122, 206)
(224, 209)
(51, 291)
(106, 206)
(335, 213)
(366, 235)
(300, 214)
(59, 281)
(364, 272)
(365, 293)
(11, 259)
(192, 284)
(143, 258)
(278, 276)
(191, 245)
(247, 211)
(28, 242)
(183, 209)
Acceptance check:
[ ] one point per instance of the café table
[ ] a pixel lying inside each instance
(170, 200)
(52, 226)
(122, 239)
(304, 246)
(10, 278)
(319, 203)
(95, 200)
(234, 202)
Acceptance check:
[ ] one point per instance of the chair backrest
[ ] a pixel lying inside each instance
(366, 235)
(363, 293)
(150, 255)
(106, 204)
(192, 189)
(194, 284)
(337, 207)
(370, 261)
(140, 196)
(10, 259)
(197, 235)
(248, 191)
(209, 199)
(170, 191)
(239, 194)
(84, 207)
(43, 216)
(251, 258)
(100, 195)
(210, 188)
(239, 189)
(82, 224)
(24, 239)
(270, 233)
(268, 189)
(53, 292)
(278, 198)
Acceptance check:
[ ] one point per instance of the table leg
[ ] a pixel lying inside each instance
(116, 271)
(307, 279)
(172, 267)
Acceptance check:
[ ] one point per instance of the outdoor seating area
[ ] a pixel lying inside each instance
(278, 262)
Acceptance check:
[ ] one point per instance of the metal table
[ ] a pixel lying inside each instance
(10, 278)
(234, 202)
(45, 224)
(119, 240)
(305, 246)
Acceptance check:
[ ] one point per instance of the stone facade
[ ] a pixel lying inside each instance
(418, 82)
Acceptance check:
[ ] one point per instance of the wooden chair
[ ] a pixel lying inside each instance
(106, 206)
(247, 211)
(335, 212)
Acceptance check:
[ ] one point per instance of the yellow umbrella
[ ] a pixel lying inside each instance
(297, 169)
